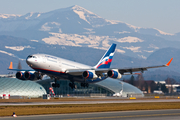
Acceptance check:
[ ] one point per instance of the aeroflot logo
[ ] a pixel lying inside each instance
(106, 60)
(50, 57)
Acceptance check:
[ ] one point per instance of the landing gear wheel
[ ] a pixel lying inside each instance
(72, 85)
(55, 85)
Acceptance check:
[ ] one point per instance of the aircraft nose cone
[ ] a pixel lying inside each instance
(28, 60)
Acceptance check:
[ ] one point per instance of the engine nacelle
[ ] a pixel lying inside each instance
(32, 75)
(29, 76)
(20, 75)
(89, 74)
(114, 74)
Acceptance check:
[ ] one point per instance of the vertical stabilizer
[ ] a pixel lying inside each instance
(105, 61)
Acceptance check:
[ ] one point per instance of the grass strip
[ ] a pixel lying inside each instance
(71, 99)
(82, 108)
(52, 100)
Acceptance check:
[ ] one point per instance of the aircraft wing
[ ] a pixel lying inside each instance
(123, 71)
(20, 70)
(130, 70)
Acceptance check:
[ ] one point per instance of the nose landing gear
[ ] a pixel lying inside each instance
(55, 85)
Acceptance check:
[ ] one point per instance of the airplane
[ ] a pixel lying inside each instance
(58, 68)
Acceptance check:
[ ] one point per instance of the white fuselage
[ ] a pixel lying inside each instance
(49, 62)
(55, 66)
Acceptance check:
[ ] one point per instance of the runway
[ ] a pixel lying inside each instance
(123, 115)
(92, 102)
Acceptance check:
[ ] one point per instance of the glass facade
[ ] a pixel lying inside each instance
(64, 88)
(107, 87)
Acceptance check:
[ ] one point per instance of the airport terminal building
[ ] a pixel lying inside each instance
(108, 87)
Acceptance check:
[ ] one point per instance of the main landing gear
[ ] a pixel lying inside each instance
(72, 85)
(84, 84)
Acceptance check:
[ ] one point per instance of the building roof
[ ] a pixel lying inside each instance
(116, 86)
(14, 86)
(17, 87)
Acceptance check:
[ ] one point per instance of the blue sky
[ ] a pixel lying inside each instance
(160, 14)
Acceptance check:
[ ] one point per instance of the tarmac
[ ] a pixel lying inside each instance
(173, 114)
(92, 102)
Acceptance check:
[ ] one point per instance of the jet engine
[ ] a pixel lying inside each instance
(32, 75)
(89, 74)
(27, 75)
(20, 75)
(114, 73)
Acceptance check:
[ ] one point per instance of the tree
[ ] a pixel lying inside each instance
(131, 80)
(140, 81)
(170, 81)
(153, 86)
(163, 88)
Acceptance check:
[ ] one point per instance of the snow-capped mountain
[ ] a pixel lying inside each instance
(76, 26)
(8, 16)
(15, 49)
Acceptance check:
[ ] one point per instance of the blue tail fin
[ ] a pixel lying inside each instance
(105, 61)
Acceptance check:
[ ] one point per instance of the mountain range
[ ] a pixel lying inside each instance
(74, 29)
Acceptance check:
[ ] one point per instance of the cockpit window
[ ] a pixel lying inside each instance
(32, 56)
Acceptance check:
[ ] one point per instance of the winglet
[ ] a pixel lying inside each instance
(169, 62)
(11, 65)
